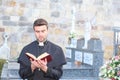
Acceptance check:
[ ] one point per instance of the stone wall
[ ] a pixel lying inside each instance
(17, 16)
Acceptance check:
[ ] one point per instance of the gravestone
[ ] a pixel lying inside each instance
(95, 44)
(80, 43)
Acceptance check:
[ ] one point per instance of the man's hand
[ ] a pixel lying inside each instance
(42, 64)
(33, 64)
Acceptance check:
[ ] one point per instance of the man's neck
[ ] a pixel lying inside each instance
(41, 43)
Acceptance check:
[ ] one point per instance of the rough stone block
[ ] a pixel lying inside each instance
(2, 29)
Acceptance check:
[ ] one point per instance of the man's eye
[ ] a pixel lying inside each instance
(37, 31)
(43, 31)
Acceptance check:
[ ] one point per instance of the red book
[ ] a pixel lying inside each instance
(40, 57)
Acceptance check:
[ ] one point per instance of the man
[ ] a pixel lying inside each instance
(41, 69)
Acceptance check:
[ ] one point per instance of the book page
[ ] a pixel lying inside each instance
(31, 56)
(43, 55)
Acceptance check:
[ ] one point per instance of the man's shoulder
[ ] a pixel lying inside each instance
(53, 44)
(31, 44)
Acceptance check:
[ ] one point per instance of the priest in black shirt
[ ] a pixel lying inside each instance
(41, 69)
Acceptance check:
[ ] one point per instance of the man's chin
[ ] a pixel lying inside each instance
(41, 40)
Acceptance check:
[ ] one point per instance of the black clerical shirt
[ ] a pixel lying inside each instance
(54, 71)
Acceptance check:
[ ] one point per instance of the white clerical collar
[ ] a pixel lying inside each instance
(41, 43)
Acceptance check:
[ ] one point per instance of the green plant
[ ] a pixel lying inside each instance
(72, 35)
(111, 69)
(2, 61)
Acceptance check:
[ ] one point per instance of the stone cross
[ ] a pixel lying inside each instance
(4, 49)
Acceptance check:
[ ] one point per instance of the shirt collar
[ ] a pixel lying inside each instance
(42, 43)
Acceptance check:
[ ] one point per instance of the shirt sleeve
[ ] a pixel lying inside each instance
(25, 72)
(54, 73)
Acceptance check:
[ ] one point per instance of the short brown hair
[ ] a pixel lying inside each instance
(40, 22)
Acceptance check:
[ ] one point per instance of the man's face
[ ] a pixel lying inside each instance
(41, 32)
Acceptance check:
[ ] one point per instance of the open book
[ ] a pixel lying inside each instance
(40, 57)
